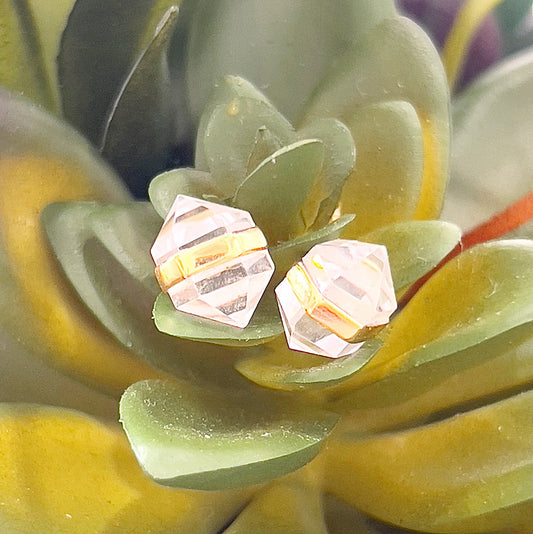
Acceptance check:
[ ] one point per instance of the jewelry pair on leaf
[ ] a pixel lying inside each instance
(213, 262)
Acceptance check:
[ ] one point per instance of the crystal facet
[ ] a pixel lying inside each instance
(212, 261)
(335, 295)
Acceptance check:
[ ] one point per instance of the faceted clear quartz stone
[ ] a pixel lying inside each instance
(353, 277)
(228, 292)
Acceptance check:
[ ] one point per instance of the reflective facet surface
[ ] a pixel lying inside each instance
(339, 290)
(212, 261)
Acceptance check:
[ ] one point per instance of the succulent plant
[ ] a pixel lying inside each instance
(323, 120)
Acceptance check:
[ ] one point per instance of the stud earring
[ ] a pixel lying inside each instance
(336, 297)
(212, 261)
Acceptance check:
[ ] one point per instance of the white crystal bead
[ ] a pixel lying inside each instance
(338, 291)
(212, 261)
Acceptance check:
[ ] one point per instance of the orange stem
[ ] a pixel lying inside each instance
(502, 223)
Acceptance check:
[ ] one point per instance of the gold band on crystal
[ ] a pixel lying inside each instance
(208, 254)
(320, 309)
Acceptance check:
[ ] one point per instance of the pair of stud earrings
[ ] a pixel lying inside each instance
(213, 262)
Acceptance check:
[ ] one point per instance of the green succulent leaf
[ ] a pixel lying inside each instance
(277, 367)
(491, 142)
(229, 129)
(275, 192)
(292, 505)
(212, 439)
(98, 485)
(112, 293)
(100, 44)
(30, 36)
(510, 13)
(167, 186)
(480, 294)
(288, 253)
(414, 247)
(286, 50)
(128, 232)
(343, 519)
(264, 326)
(144, 105)
(469, 473)
(339, 160)
(396, 69)
(489, 370)
(386, 182)
(43, 161)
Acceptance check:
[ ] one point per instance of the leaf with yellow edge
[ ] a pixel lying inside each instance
(63, 472)
(468, 20)
(21, 68)
(386, 182)
(470, 473)
(291, 505)
(49, 19)
(481, 293)
(43, 161)
(414, 247)
(490, 369)
(396, 61)
(277, 367)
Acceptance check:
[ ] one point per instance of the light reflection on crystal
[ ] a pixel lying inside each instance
(226, 280)
(346, 286)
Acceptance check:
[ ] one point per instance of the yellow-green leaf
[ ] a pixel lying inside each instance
(470, 473)
(395, 62)
(386, 183)
(414, 247)
(192, 437)
(43, 161)
(292, 505)
(65, 473)
(481, 293)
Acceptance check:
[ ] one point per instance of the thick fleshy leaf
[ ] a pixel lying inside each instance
(395, 62)
(27, 379)
(488, 370)
(43, 161)
(277, 367)
(21, 65)
(65, 472)
(339, 159)
(491, 143)
(139, 131)
(344, 519)
(128, 232)
(285, 50)
(414, 247)
(166, 187)
(470, 473)
(292, 505)
(229, 129)
(43, 25)
(101, 42)
(264, 326)
(510, 13)
(212, 439)
(116, 298)
(385, 185)
(286, 254)
(468, 22)
(480, 294)
(275, 192)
